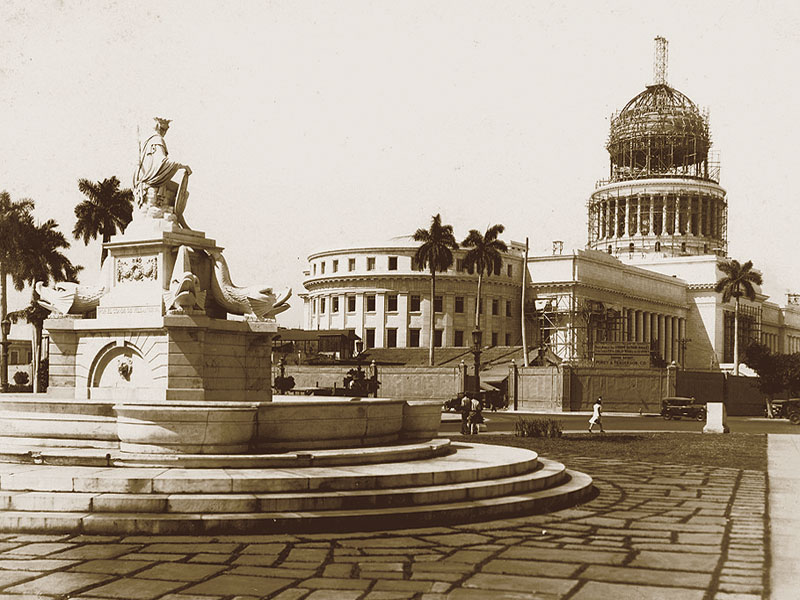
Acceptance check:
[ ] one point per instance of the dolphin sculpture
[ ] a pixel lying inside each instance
(70, 298)
(184, 286)
(254, 302)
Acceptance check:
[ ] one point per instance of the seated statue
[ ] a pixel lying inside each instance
(157, 189)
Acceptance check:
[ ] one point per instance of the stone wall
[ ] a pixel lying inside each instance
(400, 383)
(740, 394)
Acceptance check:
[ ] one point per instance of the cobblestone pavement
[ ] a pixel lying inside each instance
(655, 532)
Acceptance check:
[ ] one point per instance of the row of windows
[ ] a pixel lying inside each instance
(414, 304)
(391, 266)
(414, 339)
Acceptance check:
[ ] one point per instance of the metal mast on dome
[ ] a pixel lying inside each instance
(660, 61)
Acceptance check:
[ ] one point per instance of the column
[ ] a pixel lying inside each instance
(639, 326)
(626, 228)
(639, 216)
(669, 339)
(651, 227)
(662, 348)
(682, 341)
(664, 215)
(653, 328)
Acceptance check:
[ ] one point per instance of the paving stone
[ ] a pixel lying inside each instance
(734, 596)
(338, 570)
(331, 583)
(740, 588)
(569, 556)
(385, 542)
(35, 564)
(135, 589)
(524, 567)
(37, 549)
(226, 584)
(12, 577)
(95, 551)
(154, 557)
(334, 595)
(596, 590)
(700, 538)
(263, 560)
(307, 555)
(415, 586)
(263, 549)
(273, 572)
(381, 566)
(389, 595)
(437, 576)
(676, 560)
(683, 579)
(468, 556)
(516, 583)
(471, 594)
(59, 583)
(218, 559)
(191, 548)
(179, 572)
(112, 567)
(290, 594)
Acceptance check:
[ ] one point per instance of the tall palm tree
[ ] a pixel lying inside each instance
(106, 210)
(485, 254)
(41, 259)
(16, 224)
(738, 281)
(436, 254)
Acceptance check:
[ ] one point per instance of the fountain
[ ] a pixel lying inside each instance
(160, 417)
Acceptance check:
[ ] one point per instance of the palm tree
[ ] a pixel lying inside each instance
(738, 281)
(106, 210)
(41, 259)
(435, 253)
(485, 254)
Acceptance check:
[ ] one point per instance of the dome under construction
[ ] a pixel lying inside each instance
(663, 194)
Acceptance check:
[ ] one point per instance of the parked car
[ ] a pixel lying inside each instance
(677, 407)
(787, 409)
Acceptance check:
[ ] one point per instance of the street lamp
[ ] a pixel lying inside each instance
(5, 329)
(476, 351)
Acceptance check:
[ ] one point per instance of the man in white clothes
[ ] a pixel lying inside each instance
(597, 415)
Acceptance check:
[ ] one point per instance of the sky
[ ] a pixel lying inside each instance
(317, 125)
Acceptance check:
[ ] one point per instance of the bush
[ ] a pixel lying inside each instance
(538, 427)
(21, 378)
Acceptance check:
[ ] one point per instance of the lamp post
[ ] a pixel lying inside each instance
(476, 351)
(5, 329)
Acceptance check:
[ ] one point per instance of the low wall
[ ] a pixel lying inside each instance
(740, 394)
(400, 383)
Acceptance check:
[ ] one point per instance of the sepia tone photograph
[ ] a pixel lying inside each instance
(372, 300)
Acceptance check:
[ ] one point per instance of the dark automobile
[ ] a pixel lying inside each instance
(677, 407)
(787, 409)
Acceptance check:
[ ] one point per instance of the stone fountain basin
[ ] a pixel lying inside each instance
(186, 428)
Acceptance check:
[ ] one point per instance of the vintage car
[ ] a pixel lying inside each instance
(787, 409)
(676, 407)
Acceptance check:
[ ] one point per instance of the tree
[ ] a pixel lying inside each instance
(436, 254)
(40, 259)
(15, 222)
(738, 280)
(106, 210)
(485, 255)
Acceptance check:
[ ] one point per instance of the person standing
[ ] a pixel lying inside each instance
(597, 415)
(475, 416)
(464, 407)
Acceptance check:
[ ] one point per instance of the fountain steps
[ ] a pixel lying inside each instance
(476, 482)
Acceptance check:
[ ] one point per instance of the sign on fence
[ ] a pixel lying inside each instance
(622, 354)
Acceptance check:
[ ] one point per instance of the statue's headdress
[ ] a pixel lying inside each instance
(163, 122)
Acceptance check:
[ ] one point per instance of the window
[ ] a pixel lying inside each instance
(631, 247)
(414, 303)
(370, 263)
(495, 306)
(413, 338)
(494, 338)
(391, 303)
(510, 270)
(322, 305)
(459, 338)
(437, 304)
(322, 268)
(480, 307)
(459, 306)
(13, 359)
(508, 339)
(437, 337)
(658, 246)
(508, 308)
(351, 264)
(351, 304)
(393, 263)
(334, 266)
(370, 302)
(314, 268)
(370, 338)
(391, 338)
(335, 304)
(610, 250)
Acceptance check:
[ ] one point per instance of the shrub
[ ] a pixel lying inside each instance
(537, 427)
(21, 378)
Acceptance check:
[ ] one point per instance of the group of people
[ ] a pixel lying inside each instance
(471, 415)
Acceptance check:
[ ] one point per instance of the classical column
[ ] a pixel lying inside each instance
(626, 228)
(639, 326)
(662, 346)
(639, 216)
(682, 341)
(668, 339)
(664, 215)
(650, 226)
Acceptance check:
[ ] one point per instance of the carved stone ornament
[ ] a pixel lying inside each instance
(139, 268)
(125, 367)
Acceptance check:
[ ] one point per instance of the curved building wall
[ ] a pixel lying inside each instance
(377, 292)
(667, 217)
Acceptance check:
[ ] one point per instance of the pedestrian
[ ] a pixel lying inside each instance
(464, 408)
(475, 416)
(597, 415)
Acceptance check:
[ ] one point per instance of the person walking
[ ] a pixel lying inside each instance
(597, 415)
(464, 407)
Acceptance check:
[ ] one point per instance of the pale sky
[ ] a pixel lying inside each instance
(315, 125)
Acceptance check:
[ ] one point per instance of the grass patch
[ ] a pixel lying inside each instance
(537, 427)
(735, 450)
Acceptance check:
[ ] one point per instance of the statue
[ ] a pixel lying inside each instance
(257, 302)
(69, 298)
(184, 294)
(157, 190)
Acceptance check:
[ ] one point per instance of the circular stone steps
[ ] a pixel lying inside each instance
(473, 482)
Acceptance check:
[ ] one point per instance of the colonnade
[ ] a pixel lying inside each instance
(659, 214)
(667, 331)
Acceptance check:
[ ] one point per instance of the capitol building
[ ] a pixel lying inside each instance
(656, 235)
